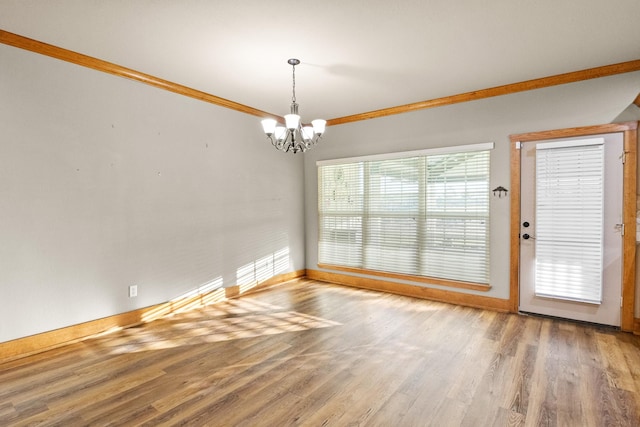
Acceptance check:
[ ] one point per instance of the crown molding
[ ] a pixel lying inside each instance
(558, 79)
(52, 51)
(46, 49)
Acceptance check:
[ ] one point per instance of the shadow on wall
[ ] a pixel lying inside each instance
(255, 274)
(629, 114)
(265, 271)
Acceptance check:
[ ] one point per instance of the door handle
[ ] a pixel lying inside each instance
(526, 236)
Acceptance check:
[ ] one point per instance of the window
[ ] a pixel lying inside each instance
(569, 219)
(420, 213)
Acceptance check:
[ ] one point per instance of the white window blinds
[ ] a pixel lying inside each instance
(341, 199)
(569, 220)
(457, 217)
(392, 215)
(425, 214)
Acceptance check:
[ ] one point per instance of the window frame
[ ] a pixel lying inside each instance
(399, 275)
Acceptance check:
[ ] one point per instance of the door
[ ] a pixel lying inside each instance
(570, 231)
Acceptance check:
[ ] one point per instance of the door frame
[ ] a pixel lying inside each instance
(629, 198)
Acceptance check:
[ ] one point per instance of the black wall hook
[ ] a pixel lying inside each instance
(500, 190)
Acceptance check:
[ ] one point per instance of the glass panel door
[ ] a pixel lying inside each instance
(570, 231)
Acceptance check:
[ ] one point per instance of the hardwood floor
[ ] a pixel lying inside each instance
(313, 354)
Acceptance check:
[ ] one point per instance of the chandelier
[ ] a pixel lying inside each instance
(294, 136)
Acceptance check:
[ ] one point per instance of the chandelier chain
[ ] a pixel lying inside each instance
(293, 98)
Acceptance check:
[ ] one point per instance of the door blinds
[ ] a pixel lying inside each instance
(425, 215)
(569, 220)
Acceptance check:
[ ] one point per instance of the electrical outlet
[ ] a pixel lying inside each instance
(133, 291)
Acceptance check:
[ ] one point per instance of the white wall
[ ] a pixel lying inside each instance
(586, 103)
(105, 182)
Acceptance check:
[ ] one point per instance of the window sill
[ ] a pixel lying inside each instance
(422, 279)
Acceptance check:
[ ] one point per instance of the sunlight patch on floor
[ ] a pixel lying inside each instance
(231, 320)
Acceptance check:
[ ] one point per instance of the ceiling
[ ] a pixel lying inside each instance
(356, 56)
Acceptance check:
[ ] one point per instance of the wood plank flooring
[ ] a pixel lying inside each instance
(313, 354)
